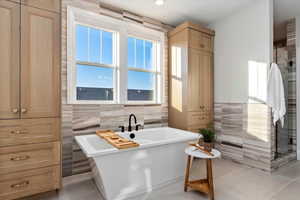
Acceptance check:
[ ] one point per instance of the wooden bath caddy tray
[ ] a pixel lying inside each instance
(116, 140)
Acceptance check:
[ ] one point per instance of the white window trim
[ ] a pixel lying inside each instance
(125, 29)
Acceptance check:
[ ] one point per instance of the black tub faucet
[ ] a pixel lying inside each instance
(136, 125)
(129, 126)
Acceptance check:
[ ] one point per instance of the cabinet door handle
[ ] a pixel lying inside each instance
(15, 110)
(202, 45)
(19, 158)
(17, 132)
(19, 185)
(23, 110)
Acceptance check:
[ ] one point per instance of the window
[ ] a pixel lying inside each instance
(142, 69)
(112, 61)
(94, 62)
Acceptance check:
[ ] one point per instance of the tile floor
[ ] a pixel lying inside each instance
(232, 182)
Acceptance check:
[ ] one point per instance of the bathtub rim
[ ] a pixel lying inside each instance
(92, 153)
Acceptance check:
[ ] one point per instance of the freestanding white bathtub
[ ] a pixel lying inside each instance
(120, 174)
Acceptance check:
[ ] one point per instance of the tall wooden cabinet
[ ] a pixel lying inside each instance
(190, 77)
(30, 149)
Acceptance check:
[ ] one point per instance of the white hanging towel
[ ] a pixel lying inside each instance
(275, 97)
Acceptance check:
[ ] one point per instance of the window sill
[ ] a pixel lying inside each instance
(141, 104)
(114, 103)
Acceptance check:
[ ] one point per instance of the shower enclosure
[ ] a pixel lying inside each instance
(284, 55)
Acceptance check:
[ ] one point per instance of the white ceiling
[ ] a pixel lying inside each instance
(283, 11)
(174, 12)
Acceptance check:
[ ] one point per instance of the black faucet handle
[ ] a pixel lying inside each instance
(129, 128)
(122, 128)
(137, 127)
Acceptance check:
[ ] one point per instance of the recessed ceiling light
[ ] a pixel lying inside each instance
(159, 2)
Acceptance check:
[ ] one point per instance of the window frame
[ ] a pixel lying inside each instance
(114, 66)
(121, 31)
(156, 71)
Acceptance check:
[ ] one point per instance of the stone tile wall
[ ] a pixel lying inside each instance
(291, 47)
(244, 133)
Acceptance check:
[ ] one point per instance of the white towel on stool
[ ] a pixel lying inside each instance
(275, 97)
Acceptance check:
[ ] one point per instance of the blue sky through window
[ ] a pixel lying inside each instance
(94, 77)
(140, 80)
(107, 39)
(96, 46)
(140, 53)
(82, 33)
(148, 55)
(131, 52)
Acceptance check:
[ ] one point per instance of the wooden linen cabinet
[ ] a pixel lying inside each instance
(30, 97)
(190, 77)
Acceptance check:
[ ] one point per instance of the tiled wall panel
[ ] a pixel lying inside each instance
(244, 133)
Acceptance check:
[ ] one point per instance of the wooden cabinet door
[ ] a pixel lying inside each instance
(40, 56)
(195, 73)
(200, 83)
(51, 5)
(9, 59)
(207, 85)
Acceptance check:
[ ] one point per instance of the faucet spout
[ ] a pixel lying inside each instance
(134, 117)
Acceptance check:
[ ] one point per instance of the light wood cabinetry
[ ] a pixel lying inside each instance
(9, 57)
(200, 84)
(28, 131)
(51, 5)
(30, 148)
(191, 77)
(29, 182)
(40, 60)
(24, 157)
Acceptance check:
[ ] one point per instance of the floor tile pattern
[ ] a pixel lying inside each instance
(232, 181)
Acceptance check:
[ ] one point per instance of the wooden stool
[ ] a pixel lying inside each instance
(203, 185)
